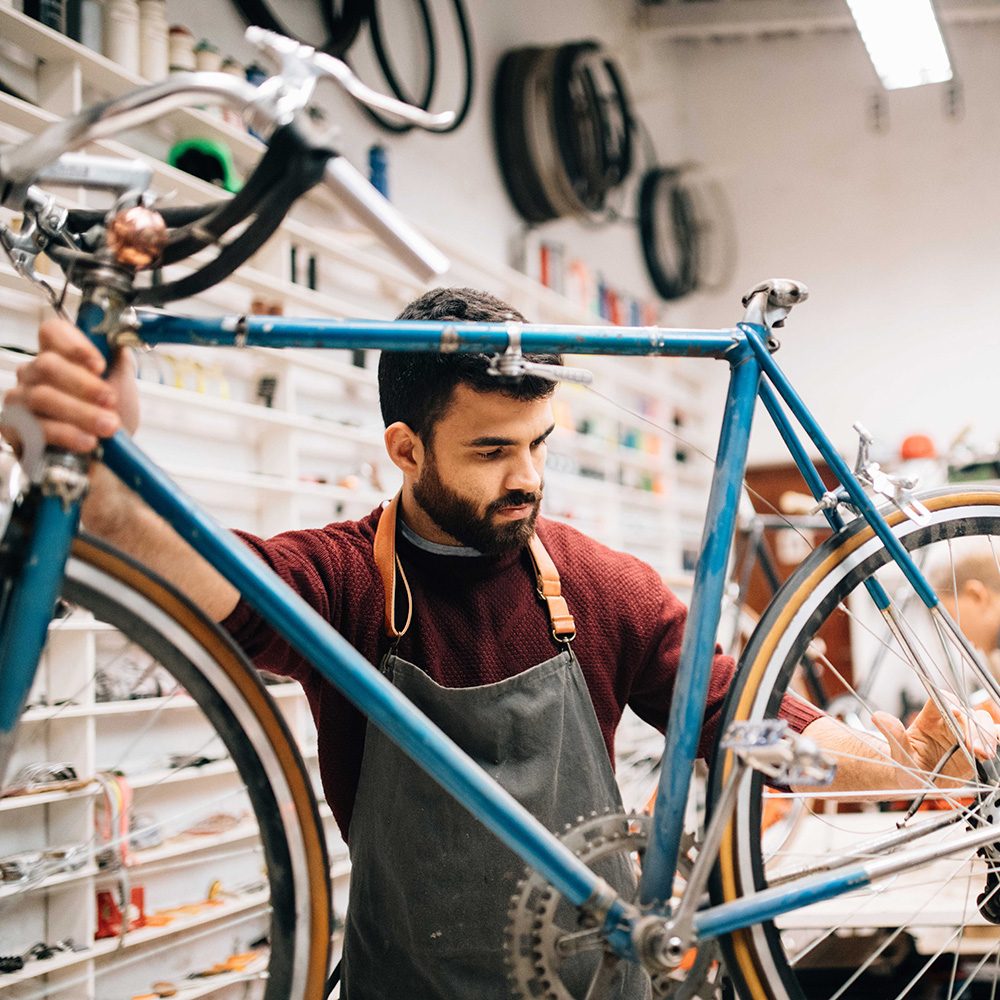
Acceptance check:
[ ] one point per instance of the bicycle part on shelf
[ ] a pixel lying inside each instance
(898, 490)
(216, 700)
(544, 934)
(932, 914)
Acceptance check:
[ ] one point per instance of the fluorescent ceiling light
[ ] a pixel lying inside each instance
(903, 41)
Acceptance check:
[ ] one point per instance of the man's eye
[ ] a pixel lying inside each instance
(487, 455)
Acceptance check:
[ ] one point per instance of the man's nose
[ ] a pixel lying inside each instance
(524, 475)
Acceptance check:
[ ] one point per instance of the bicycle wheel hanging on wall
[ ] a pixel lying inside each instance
(563, 129)
(686, 231)
(912, 934)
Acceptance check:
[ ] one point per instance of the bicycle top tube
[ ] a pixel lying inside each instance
(422, 335)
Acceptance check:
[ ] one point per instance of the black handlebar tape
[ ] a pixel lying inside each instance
(302, 175)
(287, 146)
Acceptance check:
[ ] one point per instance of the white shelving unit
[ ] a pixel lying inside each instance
(313, 456)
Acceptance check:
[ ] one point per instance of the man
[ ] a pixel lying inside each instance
(971, 593)
(440, 590)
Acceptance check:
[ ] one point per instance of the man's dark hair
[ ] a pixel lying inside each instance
(416, 387)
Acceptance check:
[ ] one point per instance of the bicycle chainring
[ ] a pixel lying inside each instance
(544, 932)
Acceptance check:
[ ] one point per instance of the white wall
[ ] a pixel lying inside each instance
(896, 233)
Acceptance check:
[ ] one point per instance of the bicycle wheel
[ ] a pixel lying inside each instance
(920, 934)
(128, 869)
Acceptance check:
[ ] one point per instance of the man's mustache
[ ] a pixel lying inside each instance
(518, 498)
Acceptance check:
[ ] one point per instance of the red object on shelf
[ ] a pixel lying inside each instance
(109, 915)
(917, 446)
(545, 265)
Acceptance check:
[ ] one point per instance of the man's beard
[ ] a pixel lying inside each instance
(459, 517)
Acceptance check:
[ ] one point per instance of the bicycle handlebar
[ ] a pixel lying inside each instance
(269, 106)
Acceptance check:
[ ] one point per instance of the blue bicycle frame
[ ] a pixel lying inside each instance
(753, 374)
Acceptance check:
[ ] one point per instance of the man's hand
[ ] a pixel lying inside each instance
(867, 765)
(62, 386)
(919, 748)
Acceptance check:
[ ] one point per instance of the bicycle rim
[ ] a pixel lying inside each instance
(921, 933)
(213, 863)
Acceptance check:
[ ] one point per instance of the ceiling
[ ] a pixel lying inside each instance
(691, 20)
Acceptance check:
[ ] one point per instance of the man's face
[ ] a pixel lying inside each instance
(481, 477)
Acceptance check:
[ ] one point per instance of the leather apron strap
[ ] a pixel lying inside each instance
(389, 567)
(388, 563)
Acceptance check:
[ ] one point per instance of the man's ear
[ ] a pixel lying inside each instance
(975, 590)
(405, 449)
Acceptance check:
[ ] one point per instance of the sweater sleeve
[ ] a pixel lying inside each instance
(653, 685)
(303, 562)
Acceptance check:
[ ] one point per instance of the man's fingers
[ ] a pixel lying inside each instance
(65, 339)
(57, 434)
(68, 422)
(895, 733)
(980, 733)
(53, 369)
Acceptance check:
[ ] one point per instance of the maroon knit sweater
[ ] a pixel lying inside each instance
(478, 620)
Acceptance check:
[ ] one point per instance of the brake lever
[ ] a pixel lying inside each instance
(22, 250)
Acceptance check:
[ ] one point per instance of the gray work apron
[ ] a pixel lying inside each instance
(430, 886)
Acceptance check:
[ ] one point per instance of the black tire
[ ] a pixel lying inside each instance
(907, 936)
(260, 766)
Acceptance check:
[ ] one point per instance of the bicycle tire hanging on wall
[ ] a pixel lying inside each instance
(394, 81)
(685, 230)
(563, 127)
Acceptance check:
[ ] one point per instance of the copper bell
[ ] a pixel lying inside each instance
(137, 236)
